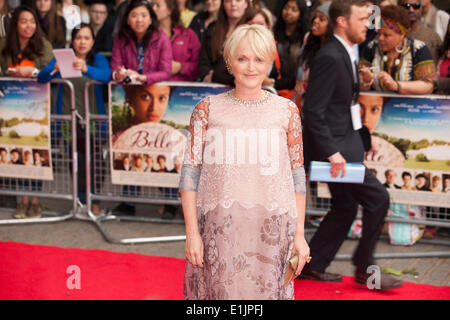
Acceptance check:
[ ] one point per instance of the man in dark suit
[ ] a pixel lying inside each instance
(331, 133)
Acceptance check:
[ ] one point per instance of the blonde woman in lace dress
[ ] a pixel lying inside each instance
(243, 183)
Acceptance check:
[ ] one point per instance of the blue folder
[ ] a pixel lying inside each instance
(320, 171)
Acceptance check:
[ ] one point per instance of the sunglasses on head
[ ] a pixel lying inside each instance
(415, 6)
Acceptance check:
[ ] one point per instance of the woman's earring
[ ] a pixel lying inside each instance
(401, 49)
(228, 67)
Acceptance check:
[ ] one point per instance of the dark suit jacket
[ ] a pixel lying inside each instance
(327, 123)
(395, 186)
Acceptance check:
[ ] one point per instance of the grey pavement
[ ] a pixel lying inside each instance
(75, 233)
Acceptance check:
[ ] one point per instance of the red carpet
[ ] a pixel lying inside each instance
(40, 272)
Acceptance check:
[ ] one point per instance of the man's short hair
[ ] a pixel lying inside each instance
(343, 8)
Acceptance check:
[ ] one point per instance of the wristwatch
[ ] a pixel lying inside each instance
(34, 73)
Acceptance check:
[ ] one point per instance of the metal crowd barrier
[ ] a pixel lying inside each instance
(97, 159)
(318, 207)
(64, 155)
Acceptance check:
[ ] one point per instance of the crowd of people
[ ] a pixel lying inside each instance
(159, 40)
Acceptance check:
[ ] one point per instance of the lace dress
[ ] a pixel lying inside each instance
(245, 160)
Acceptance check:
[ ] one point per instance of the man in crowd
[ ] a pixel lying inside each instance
(102, 22)
(418, 30)
(434, 18)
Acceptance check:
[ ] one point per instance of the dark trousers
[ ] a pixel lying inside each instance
(327, 240)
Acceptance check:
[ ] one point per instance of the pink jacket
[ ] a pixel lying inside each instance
(185, 49)
(157, 64)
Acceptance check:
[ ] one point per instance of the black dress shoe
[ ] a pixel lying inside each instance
(308, 274)
(385, 282)
(124, 209)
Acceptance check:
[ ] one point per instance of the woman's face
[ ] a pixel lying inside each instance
(149, 102)
(139, 20)
(319, 25)
(43, 6)
(212, 5)
(83, 42)
(26, 25)
(371, 108)
(388, 39)
(406, 180)
(290, 12)
(258, 19)
(248, 69)
(235, 9)
(161, 9)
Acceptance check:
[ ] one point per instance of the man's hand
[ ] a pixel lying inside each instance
(337, 164)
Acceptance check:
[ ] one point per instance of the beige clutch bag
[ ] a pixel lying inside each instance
(292, 265)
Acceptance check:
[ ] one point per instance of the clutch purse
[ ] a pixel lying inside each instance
(292, 265)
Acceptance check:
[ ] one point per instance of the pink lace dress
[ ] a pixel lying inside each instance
(245, 160)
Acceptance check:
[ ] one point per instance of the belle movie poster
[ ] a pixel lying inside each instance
(149, 125)
(25, 130)
(412, 143)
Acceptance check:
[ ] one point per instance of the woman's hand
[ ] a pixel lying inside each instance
(22, 72)
(120, 73)
(176, 67)
(302, 249)
(194, 250)
(387, 81)
(366, 75)
(80, 64)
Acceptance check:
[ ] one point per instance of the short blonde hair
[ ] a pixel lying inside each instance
(260, 39)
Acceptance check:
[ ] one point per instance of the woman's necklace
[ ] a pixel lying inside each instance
(249, 103)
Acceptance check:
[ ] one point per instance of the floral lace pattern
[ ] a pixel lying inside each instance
(249, 163)
(223, 183)
(237, 267)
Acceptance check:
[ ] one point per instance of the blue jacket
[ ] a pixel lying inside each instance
(99, 71)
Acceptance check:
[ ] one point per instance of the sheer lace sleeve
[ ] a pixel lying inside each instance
(295, 145)
(190, 172)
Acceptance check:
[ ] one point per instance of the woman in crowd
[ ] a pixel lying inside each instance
(202, 20)
(291, 27)
(211, 66)
(186, 14)
(142, 51)
(321, 32)
(53, 25)
(280, 74)
(395, 63)
(23, 53)
(5, 16)
(242, 226)
(185, 43)
(93, 66)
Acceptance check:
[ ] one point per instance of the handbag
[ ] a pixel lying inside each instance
(292, 265)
